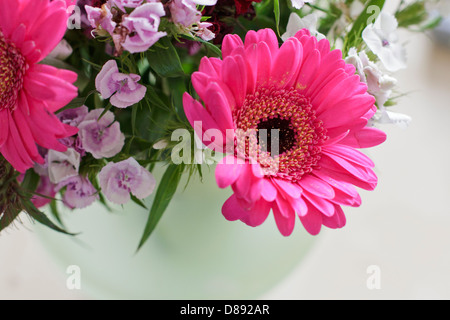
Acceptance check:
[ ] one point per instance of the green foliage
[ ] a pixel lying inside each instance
(166, 190)
(164, 60)
(368, 16)
(413, 14)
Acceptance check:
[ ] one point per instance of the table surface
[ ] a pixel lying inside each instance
(400, 231)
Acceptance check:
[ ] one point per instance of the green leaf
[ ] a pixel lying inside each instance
(41, 217)
(216, 50)
(30, 181)
(413, 14)
(432, 24)
(367, 17)
(276, 11)
(164, 59)
(7, 219)
(55, 213)
(138, 202)
(166, 190)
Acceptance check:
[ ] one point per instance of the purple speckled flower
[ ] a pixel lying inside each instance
(122, 89)
(118, 180)
(73, 117)
(79, 193)
(184, 12)
(101, 18)
(143, 24)
(102, 138)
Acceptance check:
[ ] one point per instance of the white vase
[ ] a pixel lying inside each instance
(194, 253)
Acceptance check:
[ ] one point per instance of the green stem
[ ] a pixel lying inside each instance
(312, 6)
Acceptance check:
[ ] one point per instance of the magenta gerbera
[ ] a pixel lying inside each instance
(31, 92)
(319, 109)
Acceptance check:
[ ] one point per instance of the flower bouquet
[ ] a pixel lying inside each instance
(277, 95)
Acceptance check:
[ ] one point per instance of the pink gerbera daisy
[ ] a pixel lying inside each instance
(31, 92)
(320, 109)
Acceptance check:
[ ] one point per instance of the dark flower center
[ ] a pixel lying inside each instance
(279, 132)
(279, 129)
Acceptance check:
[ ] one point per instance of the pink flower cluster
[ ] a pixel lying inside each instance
(134, 24)
(134, 32)
(99, 135)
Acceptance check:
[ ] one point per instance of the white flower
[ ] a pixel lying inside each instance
(62, 51)
(354, 58)
(382, 39)
(295, 24)
(298, 4)
(384, 116)
(118, 180)
(62, 165)
(379, 84)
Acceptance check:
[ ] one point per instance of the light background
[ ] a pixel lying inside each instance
(402, 227)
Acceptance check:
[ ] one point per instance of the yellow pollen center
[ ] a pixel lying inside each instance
(12, 70)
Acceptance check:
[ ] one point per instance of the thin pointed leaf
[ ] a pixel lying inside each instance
(276, 11)
(7, 219)
(166, 190)
(164, 59)
(138, 202)
(40, 217)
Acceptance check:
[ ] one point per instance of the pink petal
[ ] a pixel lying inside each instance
(196, 113)
(337, 220)
(316, 187)
(312, 221)
(350, 154)
(288, 188)
(232, 210)
(229, 43)
(337, 173)
(234, 75)
(4, 126)
(285, 224)
(364, 138)
(217, 105)
(228, 171)
(324, 206)
(347, 111)
(258, 214)
(284, 206)
(268, 190)
(285, 65)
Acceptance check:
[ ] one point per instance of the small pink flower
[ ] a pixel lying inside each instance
(184, 12)
(203, 32)
(73, 117)
(143, 24)
(101, 18)
(122, 89)
(118, 180)
(79, 192)
(102, 138)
